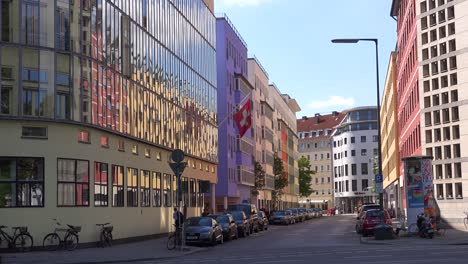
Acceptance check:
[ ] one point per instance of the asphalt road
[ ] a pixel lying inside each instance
(324, 240)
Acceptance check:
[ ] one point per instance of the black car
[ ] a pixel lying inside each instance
(203, 230)
(262, 221)
(227, 223)
(243, 225)
(250, 211)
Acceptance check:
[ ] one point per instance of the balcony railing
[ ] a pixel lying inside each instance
(245, 146)
(269, 182)
(245, 176)
(268, 134)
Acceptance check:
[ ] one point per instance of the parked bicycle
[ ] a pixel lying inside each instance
(53, 241)
(20, 240)
(106, 235)
(174, 239)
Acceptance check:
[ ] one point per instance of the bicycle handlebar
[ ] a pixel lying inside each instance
(103, 224)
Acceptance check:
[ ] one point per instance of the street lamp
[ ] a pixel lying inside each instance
(348, 41)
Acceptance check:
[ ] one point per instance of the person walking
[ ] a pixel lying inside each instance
(178, 217)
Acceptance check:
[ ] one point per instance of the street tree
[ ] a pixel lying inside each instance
(281, 180)
(259, 178)
(305, 177)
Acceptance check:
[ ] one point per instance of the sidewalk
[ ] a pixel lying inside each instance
(451, 237)
(138, 251)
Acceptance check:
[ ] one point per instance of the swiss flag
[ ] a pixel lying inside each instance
(243, 118)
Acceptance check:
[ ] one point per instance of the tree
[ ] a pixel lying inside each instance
(281, 179)
(259, 178)
(305, 177)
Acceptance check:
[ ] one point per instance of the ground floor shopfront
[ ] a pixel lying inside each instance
(349, 205)
(85, 176)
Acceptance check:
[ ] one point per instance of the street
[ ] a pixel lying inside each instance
(324, 240)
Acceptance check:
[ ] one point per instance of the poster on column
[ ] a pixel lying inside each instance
(429, 202)
(414, 180)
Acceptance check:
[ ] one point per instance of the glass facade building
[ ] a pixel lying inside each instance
(144, 69)
(95, 94)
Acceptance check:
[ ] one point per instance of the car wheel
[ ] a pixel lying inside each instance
(357, 229)
(222, 239)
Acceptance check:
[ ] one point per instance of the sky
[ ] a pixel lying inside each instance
(292, 40)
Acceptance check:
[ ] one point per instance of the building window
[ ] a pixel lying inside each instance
(34, 132)
(5, 97)
(118, 186)
(354, 185)
(156, 189)
(147, 153)
(135, 149)
(364, 169)
(353, 140)
(104, 142)
(83, 137)
(363, 152)
(375, 138)
(62, 106)
(34, 102)
(121, 145)
(100, 184)
(363, 139)
(21, 182)
(193, 193)
(167, 182)
(132, 187)
(353, 153)
(365, 184)
(353, 169)
(145, 188)
(72, 182)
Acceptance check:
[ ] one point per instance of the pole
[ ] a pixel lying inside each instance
(379, 143)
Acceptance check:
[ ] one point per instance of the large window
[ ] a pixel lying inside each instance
(117, 186)
(193, 193)
(365, 184)
(167, 181)
(156, 189)
(21, 182)
(200, 193)
(34, 102)
(132, 187)
(364, 169)
(185, 188)
(145, 188)
(101, 188)
(5, 100)
(73, 182)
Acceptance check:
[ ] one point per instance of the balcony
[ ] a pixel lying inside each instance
(244, 145)
(269, 182)
(268, 134)
(245, 176)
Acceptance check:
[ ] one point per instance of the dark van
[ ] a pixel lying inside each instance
(250, 211)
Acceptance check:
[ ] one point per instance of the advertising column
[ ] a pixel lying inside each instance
(418, 186)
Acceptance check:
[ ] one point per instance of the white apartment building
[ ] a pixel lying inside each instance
(443, 85)
(355, 150)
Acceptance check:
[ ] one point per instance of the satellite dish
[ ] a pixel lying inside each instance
(177, 155)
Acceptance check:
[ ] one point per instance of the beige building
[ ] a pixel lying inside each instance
(315, 145)
(392, 182)
(443, 85)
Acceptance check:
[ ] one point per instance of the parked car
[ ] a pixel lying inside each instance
(366, 207)
(203, 230)
(262, 221)
(227, 223)
(319, 212)
(250, 211)
(243, 225)
(282, 217)
(372, 218)
(331, 211)
(296, 214)
(303, 212)
(310, 213)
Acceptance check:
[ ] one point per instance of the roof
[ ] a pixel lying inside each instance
(395, 7)
(325, 121)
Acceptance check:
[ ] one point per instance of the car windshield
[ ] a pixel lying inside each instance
(237, 215)
(375, 213)
(370, 207)
(199, 221)
(279, 213)
(240, 207)
(222, 219)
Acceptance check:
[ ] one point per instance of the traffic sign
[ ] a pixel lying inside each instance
(378, 178)
(178, 168)
(177, 155)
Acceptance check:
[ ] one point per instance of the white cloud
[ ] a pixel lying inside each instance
(334, 100)
(241, 3)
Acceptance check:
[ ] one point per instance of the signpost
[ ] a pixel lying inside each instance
(178, 167)
(379, 188)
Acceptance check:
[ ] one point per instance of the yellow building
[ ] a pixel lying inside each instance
(389, 135)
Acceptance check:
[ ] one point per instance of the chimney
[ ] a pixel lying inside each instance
(317, 117)
(334, 113)
(304, 118)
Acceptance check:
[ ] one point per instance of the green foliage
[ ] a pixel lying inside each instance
(259, 178)
(305, 177)
(281, 179)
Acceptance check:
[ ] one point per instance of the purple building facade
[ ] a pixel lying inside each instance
(235, 167)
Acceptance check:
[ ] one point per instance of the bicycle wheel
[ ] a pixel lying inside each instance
(71, 241)
(51, 242)
(171, 241)
(465, 221)
(106, 239)
(23, 242)
(413, 229)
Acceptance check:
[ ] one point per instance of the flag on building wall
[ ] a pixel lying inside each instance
(243, 118)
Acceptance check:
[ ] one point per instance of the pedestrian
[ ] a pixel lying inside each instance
(206, 211)
(178, 217)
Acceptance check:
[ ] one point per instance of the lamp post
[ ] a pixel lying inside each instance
(351, 41)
